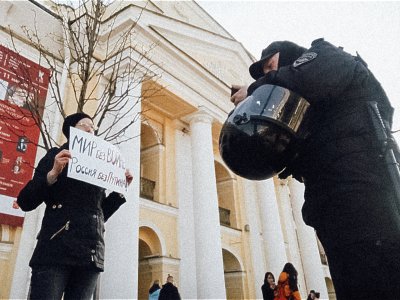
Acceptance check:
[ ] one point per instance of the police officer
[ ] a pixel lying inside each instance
(349, 198)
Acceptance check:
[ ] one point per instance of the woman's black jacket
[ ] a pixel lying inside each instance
(72, 231)
(268, 293)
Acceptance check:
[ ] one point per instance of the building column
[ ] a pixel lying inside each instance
(254, 240)
(310, 257)
(186, 231)
(292, 245)
(274, 243)
(120, 277)
(209, 263)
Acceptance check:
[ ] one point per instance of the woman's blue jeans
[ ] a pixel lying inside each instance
(51, 282)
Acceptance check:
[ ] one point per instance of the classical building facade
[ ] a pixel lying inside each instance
(187, 214)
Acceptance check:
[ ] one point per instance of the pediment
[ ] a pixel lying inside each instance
(224, 58)
(190, 12)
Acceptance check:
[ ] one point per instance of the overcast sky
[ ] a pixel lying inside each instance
(371, 27)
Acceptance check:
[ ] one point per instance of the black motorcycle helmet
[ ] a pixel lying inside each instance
(260, 136)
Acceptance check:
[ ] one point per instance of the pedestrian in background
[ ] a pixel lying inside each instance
(287, 288)
(154, 291)
(269, 287)
(169, 291)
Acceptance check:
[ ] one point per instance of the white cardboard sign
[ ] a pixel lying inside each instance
(96, 161)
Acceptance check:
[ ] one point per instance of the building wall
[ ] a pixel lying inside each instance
(9, 242)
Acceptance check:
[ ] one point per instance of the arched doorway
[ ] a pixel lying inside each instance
(150, 264)
(234, 276)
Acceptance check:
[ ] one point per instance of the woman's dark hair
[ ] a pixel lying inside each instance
(266, 277)
(154, 287)
(291, 270)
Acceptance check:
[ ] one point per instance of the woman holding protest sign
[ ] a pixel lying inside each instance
(70, 249)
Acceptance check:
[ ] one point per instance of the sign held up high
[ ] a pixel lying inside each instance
(96, 161)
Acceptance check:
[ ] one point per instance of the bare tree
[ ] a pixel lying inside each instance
(96, 57)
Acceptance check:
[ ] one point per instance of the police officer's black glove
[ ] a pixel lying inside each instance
(296, 166)
(293, 170)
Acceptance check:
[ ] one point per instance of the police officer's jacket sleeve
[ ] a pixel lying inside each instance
(322, 73)
(37, 190)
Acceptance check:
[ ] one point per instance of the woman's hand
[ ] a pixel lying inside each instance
(128, 176)
(60, 161)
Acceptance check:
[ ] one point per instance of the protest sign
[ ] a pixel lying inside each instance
(96, 161)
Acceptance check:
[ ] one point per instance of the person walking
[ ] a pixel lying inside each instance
(69, 254)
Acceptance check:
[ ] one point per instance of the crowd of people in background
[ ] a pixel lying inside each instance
(287, 286)
(285, 289)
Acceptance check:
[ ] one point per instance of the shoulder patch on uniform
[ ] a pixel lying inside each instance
(305, 58)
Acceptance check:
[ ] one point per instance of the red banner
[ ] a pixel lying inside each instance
(23, 91)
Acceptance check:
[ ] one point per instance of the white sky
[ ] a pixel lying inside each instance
(370, 27)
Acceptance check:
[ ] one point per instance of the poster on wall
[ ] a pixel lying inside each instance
(22, 83)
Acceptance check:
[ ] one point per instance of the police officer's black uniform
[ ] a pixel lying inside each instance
(348, 198)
